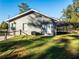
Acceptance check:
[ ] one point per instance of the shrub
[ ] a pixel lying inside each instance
(4, 25)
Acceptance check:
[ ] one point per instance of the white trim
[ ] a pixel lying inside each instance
(28, 12)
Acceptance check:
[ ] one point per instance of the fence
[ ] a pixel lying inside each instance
(4, 34)
(64, 28)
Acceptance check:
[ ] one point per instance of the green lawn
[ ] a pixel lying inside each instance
(36, 47)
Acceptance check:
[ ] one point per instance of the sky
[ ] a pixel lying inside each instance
(53, 8)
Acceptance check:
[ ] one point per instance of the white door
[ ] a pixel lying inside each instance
(49, 31)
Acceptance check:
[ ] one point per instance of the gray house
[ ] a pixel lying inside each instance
(32, 22)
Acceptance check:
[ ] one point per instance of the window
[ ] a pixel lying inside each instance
(13, 26)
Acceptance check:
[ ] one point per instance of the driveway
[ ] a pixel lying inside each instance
(3, 37)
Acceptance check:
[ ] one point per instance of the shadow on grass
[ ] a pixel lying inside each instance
(43, 38)
(54, 53)
(8, 45)
(51, 53)
(28, 57)
(13, 45)
(61, 33)
(37, 45)
(75, 36)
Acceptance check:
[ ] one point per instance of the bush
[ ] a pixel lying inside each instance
(25, 37)
(4, 25)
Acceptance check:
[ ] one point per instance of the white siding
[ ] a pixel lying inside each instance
(27, 19)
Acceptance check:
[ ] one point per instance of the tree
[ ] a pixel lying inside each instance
(75, 1)
(71, 13)
(4, 25)
(23, 7)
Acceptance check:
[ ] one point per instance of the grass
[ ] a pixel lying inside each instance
(37, 47)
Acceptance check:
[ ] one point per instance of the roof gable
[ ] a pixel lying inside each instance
(27, 13)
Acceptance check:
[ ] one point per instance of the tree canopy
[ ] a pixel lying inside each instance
(23, 7)
(3, 25)
(71, 13)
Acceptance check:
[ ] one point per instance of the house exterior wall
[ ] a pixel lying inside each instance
(29, 19)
